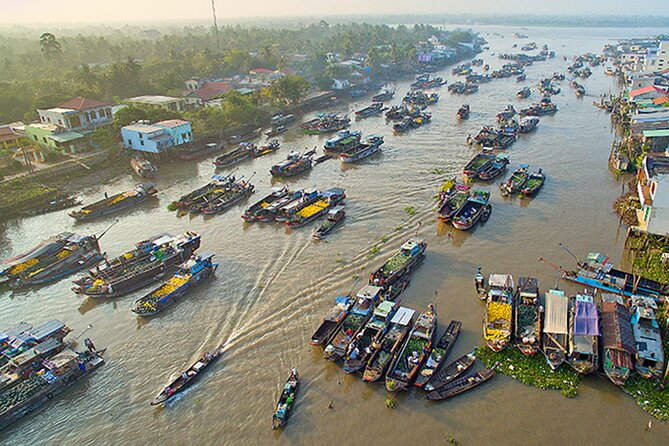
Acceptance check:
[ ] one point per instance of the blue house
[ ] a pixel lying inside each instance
(157, 138)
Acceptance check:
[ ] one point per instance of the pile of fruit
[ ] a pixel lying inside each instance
(23, 266)
(20, 393)
(395, 263)
(173, 284)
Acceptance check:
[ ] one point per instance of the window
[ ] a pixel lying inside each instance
(94, 115)
(44, 139)
(141, 142)
(130, 143)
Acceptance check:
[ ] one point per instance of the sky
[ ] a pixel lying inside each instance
(104, 11)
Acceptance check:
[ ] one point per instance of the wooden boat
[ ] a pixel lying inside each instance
(494, 169)
(452, 201)
(649, 360)
(188, 276)
(345, 139)
(362, 150)
(335, 217)
(450, 372)
(51, 260)
(461, 385)
(556, 329)
(384, 96)
(472, 210)
(251, 214)
(463, 112)
(276, 131)
(268, 213)
(498, 312)
(238, 191)
(515, 184)
(143, 167)
(524, 93)
(287, 400)
(303, 200)
(528, 124)
(331, 321)
(360, 349)
(294, 164)
(200, 152)
(326, 200)
(400, 264)
(374, 109)
(618, 346)
(281, 119)
(184, 379)
(583, 355)
(355, 321)
(478, 163)
(243, 151)
(527, 316)
(535, 181)
(439, 354)
(269, 147)
(199, 197)
(385, 348)
(115, 203)
(597, 272)
(521, 77)
(414, 352)
(150, 261)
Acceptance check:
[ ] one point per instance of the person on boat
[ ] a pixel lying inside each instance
(349, 333)
(89, 344)
(184, 376)
(413, 359)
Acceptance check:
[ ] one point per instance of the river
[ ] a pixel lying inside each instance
(274, 285)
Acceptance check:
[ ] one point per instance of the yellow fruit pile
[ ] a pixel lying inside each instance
(171, 285)
(499, 315)
(22, 266)
(62, 254)
(313, 208)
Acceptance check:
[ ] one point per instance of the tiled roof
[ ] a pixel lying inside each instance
(211, 89)
(647, 89)
(81, 103)
(6, 134)
(261, 71)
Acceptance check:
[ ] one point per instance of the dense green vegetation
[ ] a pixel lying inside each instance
(41, 70)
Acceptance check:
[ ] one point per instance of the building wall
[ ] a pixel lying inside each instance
(182, 134)
(40, 136)
(77, 120)
(141, 141)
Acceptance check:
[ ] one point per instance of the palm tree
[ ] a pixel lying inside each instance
(50, 46)
(85, 76)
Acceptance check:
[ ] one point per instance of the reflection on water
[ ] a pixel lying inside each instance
(275, 284)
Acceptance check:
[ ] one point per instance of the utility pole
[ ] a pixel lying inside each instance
(218, 39)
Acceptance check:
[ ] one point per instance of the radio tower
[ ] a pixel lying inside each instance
(218, 39)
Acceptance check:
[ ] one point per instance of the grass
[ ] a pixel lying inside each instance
(531, 370)
(649, 396)
(374, 251)
(410, 210)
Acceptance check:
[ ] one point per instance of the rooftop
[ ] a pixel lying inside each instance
(81, 103)
(211, 89)
(643, 90)
(171, 123)
(143, 128)
(154, 99)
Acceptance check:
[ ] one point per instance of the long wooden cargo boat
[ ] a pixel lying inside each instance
(115, 203)
(243, 151)
(452, 200)
(450, 372)
(618, 348)
(414, 352)
(220, 201)
(251, 214)
(556, 329)
(461, 385)
(498, 312)
(386, 347)
(515, 184)
(51, 260)
(370, 146)
(439, 354)
(527, 316)
(583, 355)
(403, 262)
(331, 321)
(327, 200)
(475, 208)
(140, 267)
(284, 407)
(181, 381)
(189, 275)
(294, 164)
(360, 349)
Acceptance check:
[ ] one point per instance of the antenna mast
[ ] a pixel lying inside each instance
(218, 39)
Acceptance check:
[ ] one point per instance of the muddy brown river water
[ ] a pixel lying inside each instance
(274, 285)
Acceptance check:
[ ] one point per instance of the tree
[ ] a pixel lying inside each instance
(289, 89)
(85, 76)
(103, 139)
(128, 115)
(50, 46)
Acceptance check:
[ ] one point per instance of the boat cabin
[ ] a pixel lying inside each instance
(585, 328)
(370, 292)
(647, 333)
(381, 314)
(424, 327)
(403, 316)
(412, 247)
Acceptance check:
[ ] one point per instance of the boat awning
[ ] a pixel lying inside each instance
(384, 308)
(582, 343)
(3, 337)
(403, 316)
(556, 312)
(616, 327)
(586, 319)
(47, 329)
(342, 301)
(369, 291)
(501, 280)
(163, 240)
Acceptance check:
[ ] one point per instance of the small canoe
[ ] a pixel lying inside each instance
(287, 400)
(439, 353)
(461, 385)
(451, 372)
(335, 217)
(187, 377)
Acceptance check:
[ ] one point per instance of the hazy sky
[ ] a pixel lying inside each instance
(76, 11)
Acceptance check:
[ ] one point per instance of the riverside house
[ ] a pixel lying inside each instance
(157, 138)
(653, 190)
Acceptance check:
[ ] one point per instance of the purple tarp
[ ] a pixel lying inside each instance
(586, 320)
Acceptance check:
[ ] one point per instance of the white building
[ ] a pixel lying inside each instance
(657, 59)
(166, 102)
(653, 189)
(79, 114)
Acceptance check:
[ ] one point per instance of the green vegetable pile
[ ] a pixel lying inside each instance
(21, 392)
(395, 263)
(531, 370)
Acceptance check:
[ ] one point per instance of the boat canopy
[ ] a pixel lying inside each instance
(41, 248)
(616, 328)
(403, 316)
(28, 356)
(384, 308)
(163, 240)
(586, 319)
(3, 337)
(47, 329)
(369, 292)
(411, 246)
(424, 324)
(342, 301)
(556, 312)
(601, 260)
(501, 281)
(333, 191)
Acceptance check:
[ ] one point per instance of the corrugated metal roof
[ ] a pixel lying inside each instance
(403, 316)
(47, 329)
(556, 312)
(655, 133)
